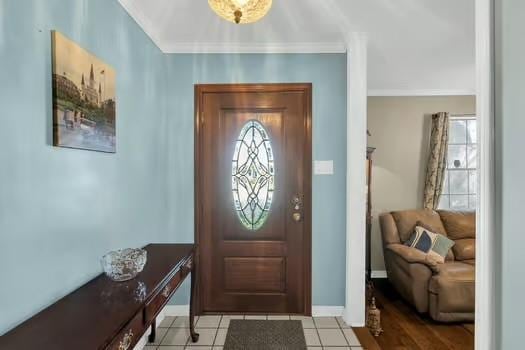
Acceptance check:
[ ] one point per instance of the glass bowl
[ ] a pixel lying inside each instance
(125, 264)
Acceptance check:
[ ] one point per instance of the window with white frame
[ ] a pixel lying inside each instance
(460, 184)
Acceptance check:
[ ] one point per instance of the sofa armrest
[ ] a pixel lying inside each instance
(412, 255)
(389, 232)
(409, 273)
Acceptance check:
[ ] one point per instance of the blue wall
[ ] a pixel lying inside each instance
(510, 169)
(327, 72)
(61, 209)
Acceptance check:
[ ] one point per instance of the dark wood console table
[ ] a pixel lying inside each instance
(103, 314)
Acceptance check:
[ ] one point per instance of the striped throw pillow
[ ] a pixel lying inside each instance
(435, 245)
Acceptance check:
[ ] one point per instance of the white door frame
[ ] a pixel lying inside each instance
(354, 314)
(485, 335)
(356, 85)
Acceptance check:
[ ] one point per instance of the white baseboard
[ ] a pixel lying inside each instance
(144, 340)
(379, 274)
(320, 311)
(317, 310)
(176, 310)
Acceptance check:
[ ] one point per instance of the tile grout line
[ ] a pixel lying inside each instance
(158, 328)
(340, 327)
(188, 341)
(342, 331)
(317, 332)
(217, 331)
(165, 333)
(344, 335)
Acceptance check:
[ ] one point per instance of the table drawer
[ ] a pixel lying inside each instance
(129, 336)
(157, 303)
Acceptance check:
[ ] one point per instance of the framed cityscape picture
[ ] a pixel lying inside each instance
(84, 104)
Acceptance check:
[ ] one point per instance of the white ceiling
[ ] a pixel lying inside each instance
(416, 47)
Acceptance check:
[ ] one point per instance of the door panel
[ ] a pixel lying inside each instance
(253, 197)
(269, 277)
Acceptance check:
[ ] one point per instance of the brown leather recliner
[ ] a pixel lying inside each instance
(445, 291)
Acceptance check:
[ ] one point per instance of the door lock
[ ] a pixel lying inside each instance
(296, 203)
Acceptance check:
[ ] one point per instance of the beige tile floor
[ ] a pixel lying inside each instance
(321, 333)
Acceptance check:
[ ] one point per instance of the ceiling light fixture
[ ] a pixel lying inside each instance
(241, 11)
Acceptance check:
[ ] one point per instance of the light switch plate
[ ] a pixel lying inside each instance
(323, 167)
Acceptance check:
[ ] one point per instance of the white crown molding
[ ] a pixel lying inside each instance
(241, 48)
(172, 47)
(143, 22)
(421, 92)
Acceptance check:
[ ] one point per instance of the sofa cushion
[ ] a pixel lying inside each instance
(455, 286)
(406, 221)
(454, 271)
(459, 224)
(465, 249)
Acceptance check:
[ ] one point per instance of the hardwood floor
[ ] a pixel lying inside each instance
(405, 328)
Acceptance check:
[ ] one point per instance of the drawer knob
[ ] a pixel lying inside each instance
(166, 292)
(125, 343)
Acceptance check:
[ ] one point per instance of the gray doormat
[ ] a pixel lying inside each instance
(265, 335)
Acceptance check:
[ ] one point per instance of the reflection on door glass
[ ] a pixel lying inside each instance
(253, 175)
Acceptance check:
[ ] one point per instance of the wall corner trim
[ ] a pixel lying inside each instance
(486, 320)
(356, 120)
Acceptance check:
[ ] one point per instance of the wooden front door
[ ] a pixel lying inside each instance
(253, 198)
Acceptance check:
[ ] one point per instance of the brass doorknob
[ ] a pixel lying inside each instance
(296, 216)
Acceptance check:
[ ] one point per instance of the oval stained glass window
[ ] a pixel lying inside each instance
(253, 175)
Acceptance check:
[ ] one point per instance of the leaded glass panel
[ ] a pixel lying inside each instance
(253, 175)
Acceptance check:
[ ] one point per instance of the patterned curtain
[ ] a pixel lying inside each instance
(437, 160)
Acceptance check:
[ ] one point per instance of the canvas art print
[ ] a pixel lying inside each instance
(84, 113)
